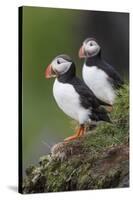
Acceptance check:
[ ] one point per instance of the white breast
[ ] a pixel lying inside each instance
(97, 81)
(68, 100)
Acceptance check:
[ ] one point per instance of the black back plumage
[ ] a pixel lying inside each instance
(87, 98)
(113, 75)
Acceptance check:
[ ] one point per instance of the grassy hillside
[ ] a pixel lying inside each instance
(98, 160)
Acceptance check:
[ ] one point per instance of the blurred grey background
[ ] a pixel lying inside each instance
(48, 32)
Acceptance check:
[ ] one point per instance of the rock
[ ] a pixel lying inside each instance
(68, 170)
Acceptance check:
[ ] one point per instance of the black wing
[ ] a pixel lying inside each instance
(89, 100)
(87, 97)
(114, 76)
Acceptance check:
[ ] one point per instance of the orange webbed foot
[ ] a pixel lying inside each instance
(73, 137)
(79, 133)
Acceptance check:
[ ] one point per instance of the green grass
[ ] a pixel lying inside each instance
(107, 134)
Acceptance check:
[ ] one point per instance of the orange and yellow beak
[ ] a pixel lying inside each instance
(49, 73)
(81, 52)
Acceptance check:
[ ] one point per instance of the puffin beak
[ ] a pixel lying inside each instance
(81, 52)
(49, 73)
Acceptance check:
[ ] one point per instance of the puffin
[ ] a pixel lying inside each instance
(73, 96)
(101, 77)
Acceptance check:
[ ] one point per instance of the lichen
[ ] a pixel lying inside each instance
(98, 160)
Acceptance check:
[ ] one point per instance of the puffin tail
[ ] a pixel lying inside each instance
(102, 115)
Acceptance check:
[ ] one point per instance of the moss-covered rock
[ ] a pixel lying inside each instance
(98, 160)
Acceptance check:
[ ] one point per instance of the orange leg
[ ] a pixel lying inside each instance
(79, 133)
(82, 131)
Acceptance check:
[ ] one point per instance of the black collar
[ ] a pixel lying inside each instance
(70, 74)
(91, 61)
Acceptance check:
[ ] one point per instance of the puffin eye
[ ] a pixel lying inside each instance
(58, 62)
(91, 44)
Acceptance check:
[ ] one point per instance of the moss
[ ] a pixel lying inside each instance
(98, 160)
(107, 134)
